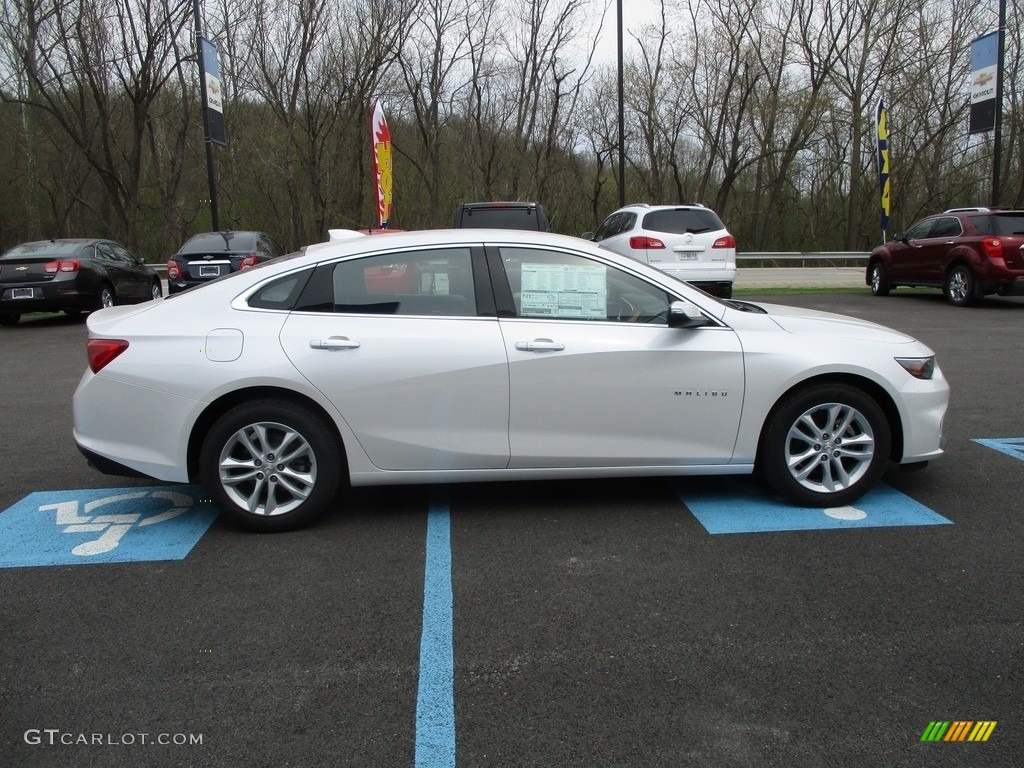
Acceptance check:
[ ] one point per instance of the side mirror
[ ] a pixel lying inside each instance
(682, 314)
(587, 235)
(901, 236)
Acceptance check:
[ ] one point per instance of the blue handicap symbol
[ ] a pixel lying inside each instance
(104, 525)
(1011, 446)
(734, 508)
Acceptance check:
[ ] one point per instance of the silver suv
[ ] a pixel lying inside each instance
(688, 242)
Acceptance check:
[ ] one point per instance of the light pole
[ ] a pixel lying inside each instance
(622, 116)
(997, 137)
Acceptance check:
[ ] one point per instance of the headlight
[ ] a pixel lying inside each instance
(918, 367)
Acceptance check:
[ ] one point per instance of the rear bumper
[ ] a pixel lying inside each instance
(46, 297)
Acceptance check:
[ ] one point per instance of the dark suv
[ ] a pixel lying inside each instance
(967, 252)
(208, 256)
(530, 216)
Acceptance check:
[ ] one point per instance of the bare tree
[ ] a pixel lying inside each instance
(96, 70)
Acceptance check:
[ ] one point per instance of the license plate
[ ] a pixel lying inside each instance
(209, 271)
(686, 256)
(22, 293)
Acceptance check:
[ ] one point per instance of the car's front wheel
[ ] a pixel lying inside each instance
(959, 287)
(879, 277)
(155, 290)
(271, 465)
(825, 445)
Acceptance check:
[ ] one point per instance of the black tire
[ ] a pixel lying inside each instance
(105, 297)
(959, 287)
(243, 443)
(156, 290)
(8, 319)
(803, 458)
(879, 279)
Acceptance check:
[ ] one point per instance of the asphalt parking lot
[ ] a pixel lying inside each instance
(586, 623)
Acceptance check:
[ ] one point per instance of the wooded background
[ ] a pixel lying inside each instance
(760, 109)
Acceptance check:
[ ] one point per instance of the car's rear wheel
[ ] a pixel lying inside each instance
(825, 445)
(879, 276)
(104, 297)
(271, 465)
(959, 287)
(156, 290)
(9, 318)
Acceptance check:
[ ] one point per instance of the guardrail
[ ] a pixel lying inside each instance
(797, 259)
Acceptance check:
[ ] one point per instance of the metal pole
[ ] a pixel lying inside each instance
(622, 119)
(211, 176)
(997, 139)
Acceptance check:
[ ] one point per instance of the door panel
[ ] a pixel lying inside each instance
(616, 394)
(419, 393)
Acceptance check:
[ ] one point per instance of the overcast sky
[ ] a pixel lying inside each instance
(635, 14)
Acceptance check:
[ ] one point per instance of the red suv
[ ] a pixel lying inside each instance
(967, 252)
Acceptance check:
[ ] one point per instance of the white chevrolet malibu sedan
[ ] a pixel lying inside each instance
(482, 355)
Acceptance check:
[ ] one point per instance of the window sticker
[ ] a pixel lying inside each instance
(564, 290)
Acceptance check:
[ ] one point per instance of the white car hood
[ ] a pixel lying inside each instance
(797, 320)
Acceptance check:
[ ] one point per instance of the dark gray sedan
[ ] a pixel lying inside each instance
(72, 276)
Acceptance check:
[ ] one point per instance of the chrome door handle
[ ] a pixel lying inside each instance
(335, 342)
(539, 345)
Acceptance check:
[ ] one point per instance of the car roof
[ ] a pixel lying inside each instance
(650, 207)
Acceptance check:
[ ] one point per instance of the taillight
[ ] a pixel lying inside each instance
(102, 351)
(173, 270)
(993, 247)
(643, 241)
(63, 265)
(726, 241)
(249, 261)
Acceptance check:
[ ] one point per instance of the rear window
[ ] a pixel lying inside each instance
(1000, 224)
(679, 221)
(221, 242)
(42, 249)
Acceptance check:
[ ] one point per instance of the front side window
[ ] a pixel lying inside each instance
(436, 282)
(104, 252)
(614, 225)
(920, 230)
(564, 286)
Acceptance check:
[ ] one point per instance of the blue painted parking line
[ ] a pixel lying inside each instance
(103, 525)
(726, 508)
(435, 701)
(1011, 446)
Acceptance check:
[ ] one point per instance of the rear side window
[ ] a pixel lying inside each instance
(679, 221)
(947, 226)
(435, 282)
(282, 293)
